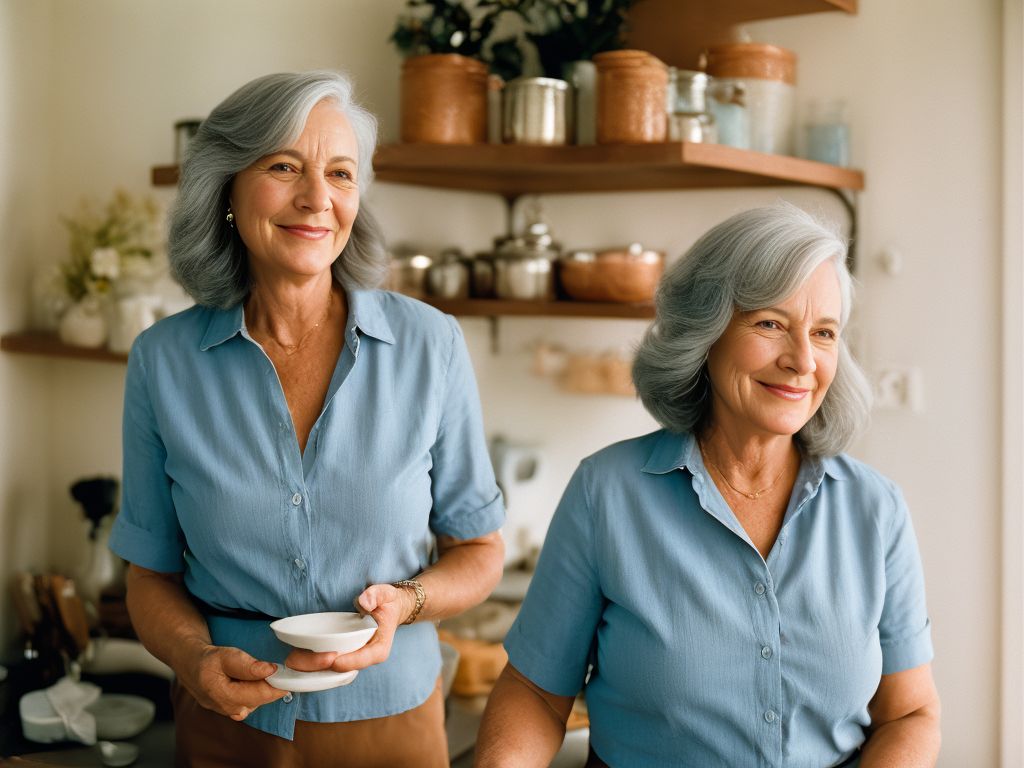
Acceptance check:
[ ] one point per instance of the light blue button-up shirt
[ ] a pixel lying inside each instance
(214, 484)
(704, 654)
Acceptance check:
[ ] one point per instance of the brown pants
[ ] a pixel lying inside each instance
(412, 739)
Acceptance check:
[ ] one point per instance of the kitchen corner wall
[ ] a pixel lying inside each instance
(27, 210)
(88, 96)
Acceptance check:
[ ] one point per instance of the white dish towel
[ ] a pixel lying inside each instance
(69, 699)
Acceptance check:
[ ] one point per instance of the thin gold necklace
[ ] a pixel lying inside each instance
(291, 349)
(752, 495)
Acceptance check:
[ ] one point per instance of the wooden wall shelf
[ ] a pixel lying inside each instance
(48, 345)
(504, 308)
(677, 31)
(512, 170)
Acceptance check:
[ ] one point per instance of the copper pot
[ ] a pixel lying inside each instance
(623, 275)
(444, 99)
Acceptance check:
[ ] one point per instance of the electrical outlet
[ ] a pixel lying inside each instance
(899, 388)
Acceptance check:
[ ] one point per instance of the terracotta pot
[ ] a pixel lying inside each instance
(444, 100)
(632, 98)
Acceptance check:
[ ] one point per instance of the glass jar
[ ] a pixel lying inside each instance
(632, 93)
(689, 119)
(768, 76)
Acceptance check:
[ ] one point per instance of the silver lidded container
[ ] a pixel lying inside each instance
(688, 115)
(448, 276)
(524, 266)
(537, 110)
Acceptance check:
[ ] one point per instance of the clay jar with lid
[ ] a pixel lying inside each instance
(632, 90)
(444, 99)
(767, 73)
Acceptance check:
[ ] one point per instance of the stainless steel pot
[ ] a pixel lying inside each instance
(524, 266)
(408, 271)
(448, 277)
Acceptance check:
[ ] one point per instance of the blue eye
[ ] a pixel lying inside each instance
(282, 167)
(827, 333)
(769, 324)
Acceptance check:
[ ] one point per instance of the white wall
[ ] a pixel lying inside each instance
(26, 211)
(922, 83)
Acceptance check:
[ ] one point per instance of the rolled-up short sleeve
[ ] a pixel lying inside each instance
(551, 639)
(904, 628)
(467, 502)
(146, 531)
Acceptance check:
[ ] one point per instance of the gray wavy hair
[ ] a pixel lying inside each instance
(753, 260)
(206, 255)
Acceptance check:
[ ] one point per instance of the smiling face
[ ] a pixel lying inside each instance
(294, 208)
(771, 368)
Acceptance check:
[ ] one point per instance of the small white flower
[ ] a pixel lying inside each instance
(105, 262)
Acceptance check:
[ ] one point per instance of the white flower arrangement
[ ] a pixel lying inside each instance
(112, 244)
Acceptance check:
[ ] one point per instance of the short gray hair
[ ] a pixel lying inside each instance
(753, 260)
(206, 255)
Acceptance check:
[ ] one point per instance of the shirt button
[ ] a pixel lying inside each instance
(287, 698)
(760, 588)
(297, 499)
(299, 564)
(766, 652)
(769, 716)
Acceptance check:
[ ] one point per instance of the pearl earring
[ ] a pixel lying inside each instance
(230, 219)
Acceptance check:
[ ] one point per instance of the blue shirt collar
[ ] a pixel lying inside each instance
(365, 314)
(680, 451)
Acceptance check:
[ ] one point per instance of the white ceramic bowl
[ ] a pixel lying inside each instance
(338, 631)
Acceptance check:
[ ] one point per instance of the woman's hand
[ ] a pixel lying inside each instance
(230, 682)
(389, 606)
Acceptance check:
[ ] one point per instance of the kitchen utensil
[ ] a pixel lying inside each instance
(624, 275)
(582, 76)
(340, 631)
(408, 271)
(26, 604)
(632, 89)
(118, 753)
(118, 716)
(826, 133)
(292, 680)
(727, 101)
(481, 275)
(524, 265)
(536, 110)
(448, 277)
(689, 119)
(443, 99)
(72, 613)
(768, 75)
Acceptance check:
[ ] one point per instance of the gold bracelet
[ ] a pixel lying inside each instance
(421, 597)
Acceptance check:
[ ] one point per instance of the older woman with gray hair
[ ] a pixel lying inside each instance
(296, 443)
(731, 590)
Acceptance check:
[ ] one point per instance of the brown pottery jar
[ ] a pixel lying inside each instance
(444, 99)
(632, 98)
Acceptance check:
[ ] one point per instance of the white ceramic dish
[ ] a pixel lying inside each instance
(322, 632)
(339, 631)
(118, 716)
(305, 682)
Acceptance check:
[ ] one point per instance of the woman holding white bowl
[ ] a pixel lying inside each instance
(297, 443)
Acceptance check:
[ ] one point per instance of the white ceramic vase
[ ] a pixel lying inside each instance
(84, 324)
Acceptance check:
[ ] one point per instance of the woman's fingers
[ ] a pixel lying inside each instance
(309, 661)
(239, 665)
(232, 683)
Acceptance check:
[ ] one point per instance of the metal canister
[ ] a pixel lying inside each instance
(524, 265)
(448, 276)
(536, 110)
